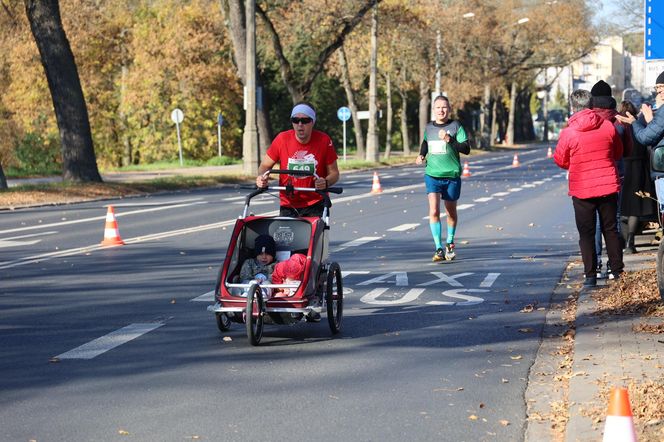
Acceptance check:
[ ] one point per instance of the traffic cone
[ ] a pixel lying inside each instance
(549, 153)
(111, 232)
(619, 424)
(375, 188)
(466, 169)
(515, 161)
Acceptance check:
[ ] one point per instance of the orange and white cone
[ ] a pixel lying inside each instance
(375, 188)
(111, 232)
(549, 153)
(619, 424)
(466, 169)
(515, 161)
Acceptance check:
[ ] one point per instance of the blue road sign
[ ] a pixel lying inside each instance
(654, 30)
(220, 119)
(343, 113)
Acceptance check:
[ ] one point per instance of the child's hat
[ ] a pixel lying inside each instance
(265, 244)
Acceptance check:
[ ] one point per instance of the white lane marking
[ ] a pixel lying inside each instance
(403, 227)
(138, 239)
(464, 206)
(31, 235)
(528, 186)
(207, 297)
(371, 297)
(456, 293)
(233, 198)
(110, 341)
(400, 279)
(515, 189)
(345, 273)
(356, 242)
(97, 218)
(500, 194)
(483, 199)
(489, 280)
(442, 277)
(6, 243)
(538, 183)
(151, 203)
(12, 242)
(350, 182)
(256, 203)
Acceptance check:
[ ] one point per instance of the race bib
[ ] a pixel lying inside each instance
(437, 147)
(308, 164)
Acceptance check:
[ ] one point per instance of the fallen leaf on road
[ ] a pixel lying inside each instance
(472, 417)
(504, 381)
(516, 358)
(504, 422)
(526, 330)
(527, 309)
(123, 432)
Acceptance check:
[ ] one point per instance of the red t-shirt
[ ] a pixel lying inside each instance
(290, 154)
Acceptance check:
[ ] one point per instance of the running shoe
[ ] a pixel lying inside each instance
(438, 256)
(449, 251)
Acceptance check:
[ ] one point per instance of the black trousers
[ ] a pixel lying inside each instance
(585, 212)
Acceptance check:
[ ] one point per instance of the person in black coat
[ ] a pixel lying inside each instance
(635, 209)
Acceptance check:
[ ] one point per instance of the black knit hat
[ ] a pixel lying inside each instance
(660, 79)
(265, 243)
(601, 89)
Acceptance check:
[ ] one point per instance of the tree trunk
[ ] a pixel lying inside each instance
(373, 148)
(78, 155)
(485, 118)
(524, 128)
(127, 157)
(352, 105)
(424, 109)
(494, 121)
(388, 123)
(404, 122)
(3, 179)
(233, 10)
(509, 135)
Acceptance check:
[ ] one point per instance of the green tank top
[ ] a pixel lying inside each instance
(442, 159)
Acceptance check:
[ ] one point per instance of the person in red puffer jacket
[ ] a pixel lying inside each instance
(589, 148)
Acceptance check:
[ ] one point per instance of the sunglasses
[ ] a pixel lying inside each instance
(304, 120)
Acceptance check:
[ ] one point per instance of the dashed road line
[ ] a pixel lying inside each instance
(108, 342)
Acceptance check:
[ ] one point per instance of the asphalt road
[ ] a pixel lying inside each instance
(116, 343)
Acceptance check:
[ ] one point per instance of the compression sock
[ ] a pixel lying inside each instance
(450, 233)
(435, 232)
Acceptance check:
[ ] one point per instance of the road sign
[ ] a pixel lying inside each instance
(652, 69)
(343, 113)
(220, 119)
(654, 30)
(177, 116)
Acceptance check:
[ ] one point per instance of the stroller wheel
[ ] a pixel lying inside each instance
(334, 298)
(254, 314)
(223, 322)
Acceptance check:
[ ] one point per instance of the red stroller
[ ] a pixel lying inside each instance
(320, 287)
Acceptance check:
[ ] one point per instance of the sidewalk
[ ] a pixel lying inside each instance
(605, 352)
(608, 352)
(233, 169)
